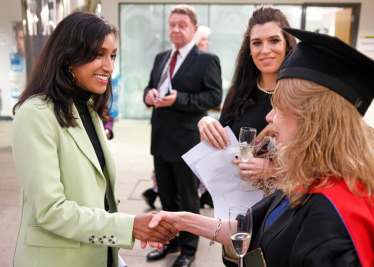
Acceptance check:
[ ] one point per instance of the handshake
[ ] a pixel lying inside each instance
(157, 228)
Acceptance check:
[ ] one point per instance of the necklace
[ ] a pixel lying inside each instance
(263, 90)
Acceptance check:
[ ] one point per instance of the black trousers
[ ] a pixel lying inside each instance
(177, 189)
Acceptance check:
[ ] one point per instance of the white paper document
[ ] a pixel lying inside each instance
(214, 169)
(165, 86)
(121, 263)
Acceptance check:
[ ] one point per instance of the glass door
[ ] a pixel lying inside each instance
(340, 20)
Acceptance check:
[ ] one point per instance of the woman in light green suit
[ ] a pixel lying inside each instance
(69, 212)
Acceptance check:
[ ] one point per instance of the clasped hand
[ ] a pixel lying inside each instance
(157, 234)
(153, 98)
(162, 227)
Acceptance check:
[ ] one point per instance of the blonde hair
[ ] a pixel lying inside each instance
(332, 142)
(202, 31)
(185, 10)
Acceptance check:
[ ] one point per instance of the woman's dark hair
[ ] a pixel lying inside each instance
(76, 41)
(241, 94)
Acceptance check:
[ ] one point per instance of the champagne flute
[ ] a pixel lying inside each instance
(240, 226)
(247, 137)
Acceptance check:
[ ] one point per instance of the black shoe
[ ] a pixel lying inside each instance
(150, 197)
(183, 261)
(206, 198)
(156, 255)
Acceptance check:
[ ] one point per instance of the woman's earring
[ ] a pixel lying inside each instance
(72, 74)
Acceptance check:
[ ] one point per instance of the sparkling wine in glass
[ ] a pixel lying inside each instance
(240, 225)
(247, 137)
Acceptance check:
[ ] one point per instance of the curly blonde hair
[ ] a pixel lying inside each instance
(332, 143)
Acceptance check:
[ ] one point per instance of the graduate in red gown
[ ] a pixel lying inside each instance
(323, 213)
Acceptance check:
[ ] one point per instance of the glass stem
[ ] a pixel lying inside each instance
(241, 261)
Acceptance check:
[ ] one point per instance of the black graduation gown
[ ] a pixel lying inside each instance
(310, 235)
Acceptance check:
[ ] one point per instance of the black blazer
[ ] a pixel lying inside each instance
(311, 235)
(199, 85)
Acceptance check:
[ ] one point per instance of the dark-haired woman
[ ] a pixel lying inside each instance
(264, 47)
(69, 212)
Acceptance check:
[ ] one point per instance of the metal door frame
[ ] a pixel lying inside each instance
(356, 16)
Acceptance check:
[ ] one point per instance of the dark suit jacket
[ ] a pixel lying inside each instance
(199, 85)
(311, 235)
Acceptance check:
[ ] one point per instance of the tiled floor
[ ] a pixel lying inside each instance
(130, 148)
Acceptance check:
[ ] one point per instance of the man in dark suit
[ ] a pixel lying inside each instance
(195, 78)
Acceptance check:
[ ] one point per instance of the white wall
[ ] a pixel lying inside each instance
(366, 24)
(10, 10)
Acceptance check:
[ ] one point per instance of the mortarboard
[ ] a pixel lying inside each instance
(330, 62)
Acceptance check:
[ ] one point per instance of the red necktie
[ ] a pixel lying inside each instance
(173, 62)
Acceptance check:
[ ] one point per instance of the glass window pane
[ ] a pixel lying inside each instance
(321, 19)
(228, 24)
(141, 39)
(293, 14)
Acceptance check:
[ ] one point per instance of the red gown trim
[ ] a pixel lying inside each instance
(358, 217)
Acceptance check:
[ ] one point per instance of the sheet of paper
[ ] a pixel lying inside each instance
(198, 152)
(121, 263)
(203, 149)
(163, 90)
(219, 175)
(165, 87)
(214, 169)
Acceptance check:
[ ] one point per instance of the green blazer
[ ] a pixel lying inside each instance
(63, 221)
